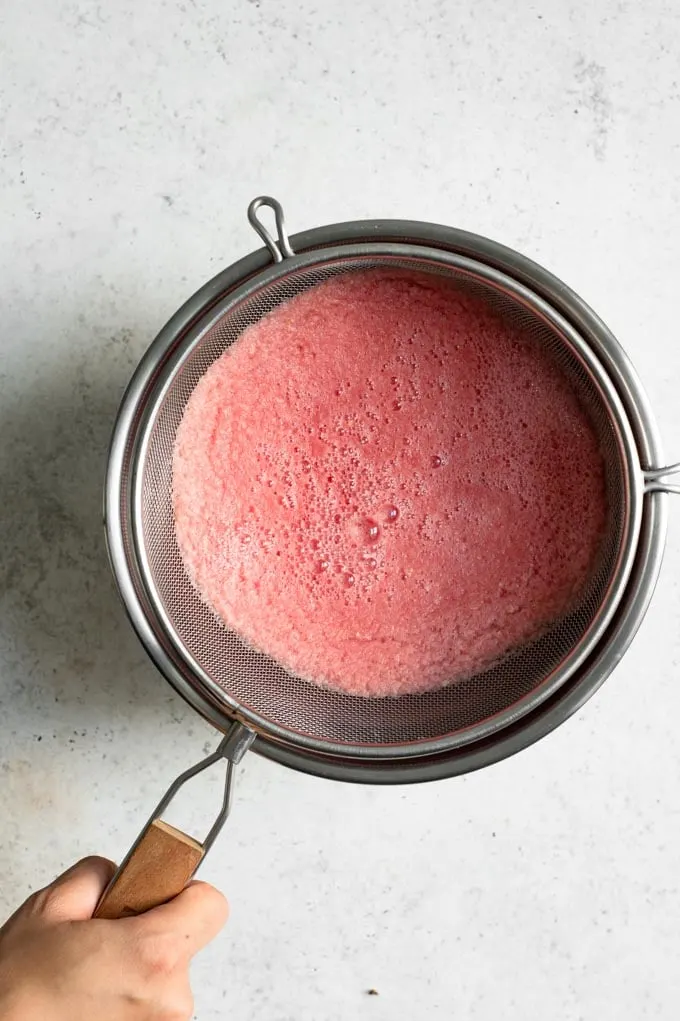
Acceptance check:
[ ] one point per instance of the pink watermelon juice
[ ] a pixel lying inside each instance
(386, 487)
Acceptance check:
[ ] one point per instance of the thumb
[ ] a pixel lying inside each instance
(74, 895)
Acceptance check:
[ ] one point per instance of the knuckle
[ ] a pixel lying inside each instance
(48, 902)
(160, 954)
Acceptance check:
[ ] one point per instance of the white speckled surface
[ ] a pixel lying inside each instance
(132, 136)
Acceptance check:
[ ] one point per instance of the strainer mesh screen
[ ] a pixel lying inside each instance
(259, 684)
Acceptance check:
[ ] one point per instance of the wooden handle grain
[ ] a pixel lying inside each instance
(158, 869)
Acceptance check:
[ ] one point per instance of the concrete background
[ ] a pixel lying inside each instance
(132, 136)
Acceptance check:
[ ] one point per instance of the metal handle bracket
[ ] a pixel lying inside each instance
(159, 841)
(655, 479)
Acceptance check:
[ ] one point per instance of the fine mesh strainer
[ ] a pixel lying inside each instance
(251, 697)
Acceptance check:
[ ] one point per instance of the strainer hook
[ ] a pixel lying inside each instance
(283, 249)
(655, 479)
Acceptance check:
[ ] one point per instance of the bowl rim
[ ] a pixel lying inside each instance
(633, 601)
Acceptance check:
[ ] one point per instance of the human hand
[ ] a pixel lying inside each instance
(57, 963)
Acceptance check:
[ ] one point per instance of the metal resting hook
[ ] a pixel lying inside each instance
(279, 251)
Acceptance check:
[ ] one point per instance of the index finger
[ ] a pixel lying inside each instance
(196, 915)
(74, 895)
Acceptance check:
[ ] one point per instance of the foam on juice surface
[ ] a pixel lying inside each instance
(386, 487)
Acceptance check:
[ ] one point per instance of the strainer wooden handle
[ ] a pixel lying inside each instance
(159, 868)
(163, 859)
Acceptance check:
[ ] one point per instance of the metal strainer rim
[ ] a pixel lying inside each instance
(634, 483)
